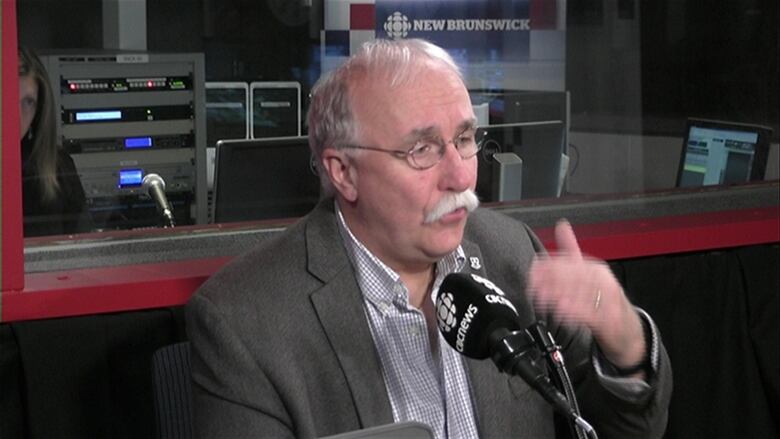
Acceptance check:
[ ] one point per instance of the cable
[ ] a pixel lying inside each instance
(552, 354)
(577, 161)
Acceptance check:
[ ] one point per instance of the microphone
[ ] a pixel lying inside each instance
(473, 314)
(155, 186)
(477, 320)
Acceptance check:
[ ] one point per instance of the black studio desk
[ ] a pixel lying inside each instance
(76, 344)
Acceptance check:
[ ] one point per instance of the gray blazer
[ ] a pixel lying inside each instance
(281, 346)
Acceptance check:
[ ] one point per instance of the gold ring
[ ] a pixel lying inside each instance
(597, 303)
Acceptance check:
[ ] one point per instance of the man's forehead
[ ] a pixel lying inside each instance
(399, 108)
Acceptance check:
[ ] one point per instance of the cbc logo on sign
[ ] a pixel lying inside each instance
(397, 26)
(445, 315)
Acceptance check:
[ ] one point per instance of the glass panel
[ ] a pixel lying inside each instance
(594, 97)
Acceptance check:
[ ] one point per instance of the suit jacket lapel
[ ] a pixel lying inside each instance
(339, 306)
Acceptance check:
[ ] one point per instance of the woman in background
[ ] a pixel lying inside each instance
(54, 201)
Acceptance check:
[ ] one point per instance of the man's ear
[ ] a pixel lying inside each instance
(342, 173)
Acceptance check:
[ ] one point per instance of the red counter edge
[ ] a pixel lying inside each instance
(143, 286)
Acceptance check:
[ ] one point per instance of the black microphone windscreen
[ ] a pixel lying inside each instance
(469, 309)
(477, 320)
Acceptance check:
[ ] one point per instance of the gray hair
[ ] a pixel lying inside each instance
(330, 120)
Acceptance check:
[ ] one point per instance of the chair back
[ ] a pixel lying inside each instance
(171, 372)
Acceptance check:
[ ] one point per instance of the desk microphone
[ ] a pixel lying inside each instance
(478, 321)
(155, 186)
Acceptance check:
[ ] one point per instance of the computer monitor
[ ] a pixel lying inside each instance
(718, 152)
(275, 109)
(519, 106)
(540, 145)
(227, 111)
(264, 179)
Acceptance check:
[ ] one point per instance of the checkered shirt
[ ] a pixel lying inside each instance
(424, 385)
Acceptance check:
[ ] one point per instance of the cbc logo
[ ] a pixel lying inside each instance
(445, 315)
(397, 26)
(488, 284)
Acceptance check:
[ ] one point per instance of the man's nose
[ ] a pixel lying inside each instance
(458, 174)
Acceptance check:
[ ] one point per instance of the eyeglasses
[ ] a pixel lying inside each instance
(428, 151)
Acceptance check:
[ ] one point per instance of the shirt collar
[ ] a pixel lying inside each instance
(368, 266)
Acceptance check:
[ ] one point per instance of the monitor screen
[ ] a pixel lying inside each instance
(275, 109)
(540, 146)
(227, 111)
(264, 179)
(716, 152)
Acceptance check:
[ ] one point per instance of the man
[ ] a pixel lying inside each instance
(330, 327)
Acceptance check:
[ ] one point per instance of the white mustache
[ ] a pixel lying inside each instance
(451, 202)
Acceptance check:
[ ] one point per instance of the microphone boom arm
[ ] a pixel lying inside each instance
(516, 353)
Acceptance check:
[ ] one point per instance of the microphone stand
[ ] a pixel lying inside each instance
(516, 353)
(560, 377)
(168, 218)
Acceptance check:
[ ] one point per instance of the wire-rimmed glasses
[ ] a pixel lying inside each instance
(428, 151)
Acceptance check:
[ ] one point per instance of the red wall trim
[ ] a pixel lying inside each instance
(125, 288)
(675, 234)
(11, 241)
(110, 289)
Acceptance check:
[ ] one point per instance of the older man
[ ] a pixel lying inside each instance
(330, 327)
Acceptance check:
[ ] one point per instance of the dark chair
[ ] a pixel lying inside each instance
(173, 390)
